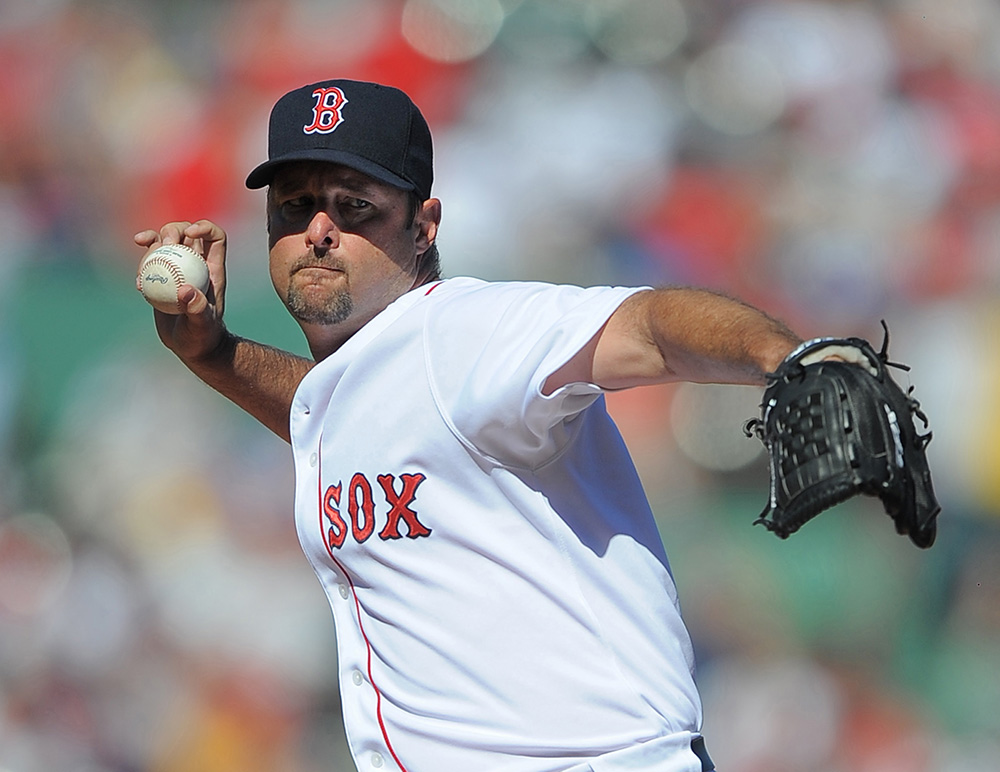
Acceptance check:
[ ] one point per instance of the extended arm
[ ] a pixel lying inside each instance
(258, 378)
(679, 334)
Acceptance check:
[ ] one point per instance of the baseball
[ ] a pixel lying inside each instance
(165, 269)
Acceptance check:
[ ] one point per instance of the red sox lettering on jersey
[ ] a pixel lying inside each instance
(362, 513)
(327, 111)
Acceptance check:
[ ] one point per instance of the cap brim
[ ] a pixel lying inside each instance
(263, 174)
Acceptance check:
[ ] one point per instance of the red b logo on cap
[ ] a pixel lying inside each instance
(326, 113)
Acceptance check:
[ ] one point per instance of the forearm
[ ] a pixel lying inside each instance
(260, 379)
(706, 337)
(686, 334)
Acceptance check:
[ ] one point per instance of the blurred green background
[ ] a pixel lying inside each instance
(836, 162)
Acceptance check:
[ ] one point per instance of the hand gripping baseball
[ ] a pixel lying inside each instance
(192, 325)
(836, 425)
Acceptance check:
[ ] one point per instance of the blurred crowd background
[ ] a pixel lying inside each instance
(835, 161)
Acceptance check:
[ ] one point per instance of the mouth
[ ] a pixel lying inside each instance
(315, 270)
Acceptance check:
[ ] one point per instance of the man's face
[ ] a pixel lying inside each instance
(342, 247)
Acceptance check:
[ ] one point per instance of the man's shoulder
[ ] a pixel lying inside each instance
(461, 288)
(480, 296)
(471, 284)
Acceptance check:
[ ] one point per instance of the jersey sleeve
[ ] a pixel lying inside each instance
(490, 349)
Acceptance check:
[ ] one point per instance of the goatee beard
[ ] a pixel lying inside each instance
(332, 310)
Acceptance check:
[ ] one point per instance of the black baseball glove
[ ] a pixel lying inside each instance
(837, 429)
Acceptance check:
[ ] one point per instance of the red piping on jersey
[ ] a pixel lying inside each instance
(434, 286)
(357, 608)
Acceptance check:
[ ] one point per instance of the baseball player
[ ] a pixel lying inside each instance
(501, 596)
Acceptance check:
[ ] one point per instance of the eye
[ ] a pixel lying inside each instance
(356, 204)
(354, 211)
(293, 208)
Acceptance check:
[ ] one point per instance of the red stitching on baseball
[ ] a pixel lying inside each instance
(174, 270)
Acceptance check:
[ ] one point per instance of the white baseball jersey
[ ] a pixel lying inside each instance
(502, 599)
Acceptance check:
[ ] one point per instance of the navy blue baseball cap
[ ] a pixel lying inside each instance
(374, 129)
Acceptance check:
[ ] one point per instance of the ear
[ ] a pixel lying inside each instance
(426, 222)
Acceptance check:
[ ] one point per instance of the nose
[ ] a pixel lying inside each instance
(322, 232)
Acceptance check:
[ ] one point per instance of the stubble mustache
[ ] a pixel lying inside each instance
(317, 259)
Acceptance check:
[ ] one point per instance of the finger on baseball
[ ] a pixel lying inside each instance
(173, 232)
(192, 301)
(206, 230)
(146, 238)
(211, 239)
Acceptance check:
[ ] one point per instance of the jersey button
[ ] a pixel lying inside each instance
(342, 589)
(357, 678)
(313, 459)
(377, 760)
